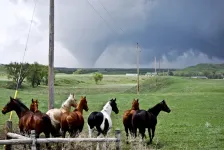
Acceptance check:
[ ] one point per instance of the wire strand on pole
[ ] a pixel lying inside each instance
(100, 16)
(21, 67)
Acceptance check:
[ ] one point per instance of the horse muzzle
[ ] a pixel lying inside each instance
(3, 111)
(117, 112)
(169, 111)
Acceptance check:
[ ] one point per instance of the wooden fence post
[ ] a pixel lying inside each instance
(118, 137)
(33, 137)
(8, 128)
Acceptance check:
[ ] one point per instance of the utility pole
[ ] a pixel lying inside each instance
(137, 69)
(51, 57)
(155, 65)
(159, 65)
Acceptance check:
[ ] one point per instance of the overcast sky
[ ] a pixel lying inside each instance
(178, 32)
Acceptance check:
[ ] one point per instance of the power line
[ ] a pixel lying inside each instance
(21, 67)
(109, 14)
(100, 15)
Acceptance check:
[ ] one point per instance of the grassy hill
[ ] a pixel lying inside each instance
(205, 67)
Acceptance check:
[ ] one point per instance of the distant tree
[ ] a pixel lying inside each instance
(97, 77)
(13, 72)
(78, 71)
(35, 74)
(170, 73)
(44, 74)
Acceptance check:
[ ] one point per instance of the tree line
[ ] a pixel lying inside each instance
(35, 74)
(209, 74)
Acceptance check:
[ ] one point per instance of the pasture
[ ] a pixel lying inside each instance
(196, 120)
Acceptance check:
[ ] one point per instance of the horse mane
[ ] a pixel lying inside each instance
(19, 101)
(105, 107)
(152, 108)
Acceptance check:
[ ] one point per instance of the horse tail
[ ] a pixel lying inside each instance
(46, 119)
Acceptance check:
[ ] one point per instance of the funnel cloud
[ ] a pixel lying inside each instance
(170, 30)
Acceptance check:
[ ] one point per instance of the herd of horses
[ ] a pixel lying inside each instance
(58, 121)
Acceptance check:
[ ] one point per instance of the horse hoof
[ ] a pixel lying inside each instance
(127, 142)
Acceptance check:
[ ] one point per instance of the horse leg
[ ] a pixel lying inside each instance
(150, 136)
(153, 133)
(126, 130)
(142, 132)
(98, 136)
(104, 143)
(38, 145)
(47, 135)
(90, 131)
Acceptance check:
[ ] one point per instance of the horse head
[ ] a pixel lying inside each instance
(164, 106)
(71, 101)
(113, 104)
(16, 105)
(135, 104)
(83, 102)
(9, 106)
(34, 105)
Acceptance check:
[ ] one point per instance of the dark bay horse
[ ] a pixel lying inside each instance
(73, 122)
(143, 119)
(127, 117)
(29, 120)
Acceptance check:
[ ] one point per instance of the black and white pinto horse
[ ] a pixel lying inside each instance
(102, 120)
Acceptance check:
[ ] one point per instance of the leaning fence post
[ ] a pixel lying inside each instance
(33, 137)
(8, 128)
(118, 137)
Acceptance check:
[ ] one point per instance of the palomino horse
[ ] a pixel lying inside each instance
(148, 119)
(128, 115)
(29, 120)
(102, 120)
(73, 122)
(55, 114)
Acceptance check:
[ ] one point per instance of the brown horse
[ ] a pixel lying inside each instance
(29, 120)
(73, 122)
(128, 115)
(143, 119)
(34, 106)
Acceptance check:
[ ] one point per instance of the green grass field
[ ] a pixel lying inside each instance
(196, 120)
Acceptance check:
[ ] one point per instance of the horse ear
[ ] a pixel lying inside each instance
(115, 99)
(11, 98)
(137, 100)
(73, 94)
(32, 100)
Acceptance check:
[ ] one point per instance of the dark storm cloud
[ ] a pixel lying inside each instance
(162, 27)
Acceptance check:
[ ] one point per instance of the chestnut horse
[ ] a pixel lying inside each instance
(143, 119)
(34, 106)
(73, 122)
(29, 120)
(55, 114)
(128, 115)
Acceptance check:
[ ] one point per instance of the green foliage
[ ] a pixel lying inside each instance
(211, 71)
(97, 77)
(13, 71)
(36, 74)
(170, 73)
(78, 71)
